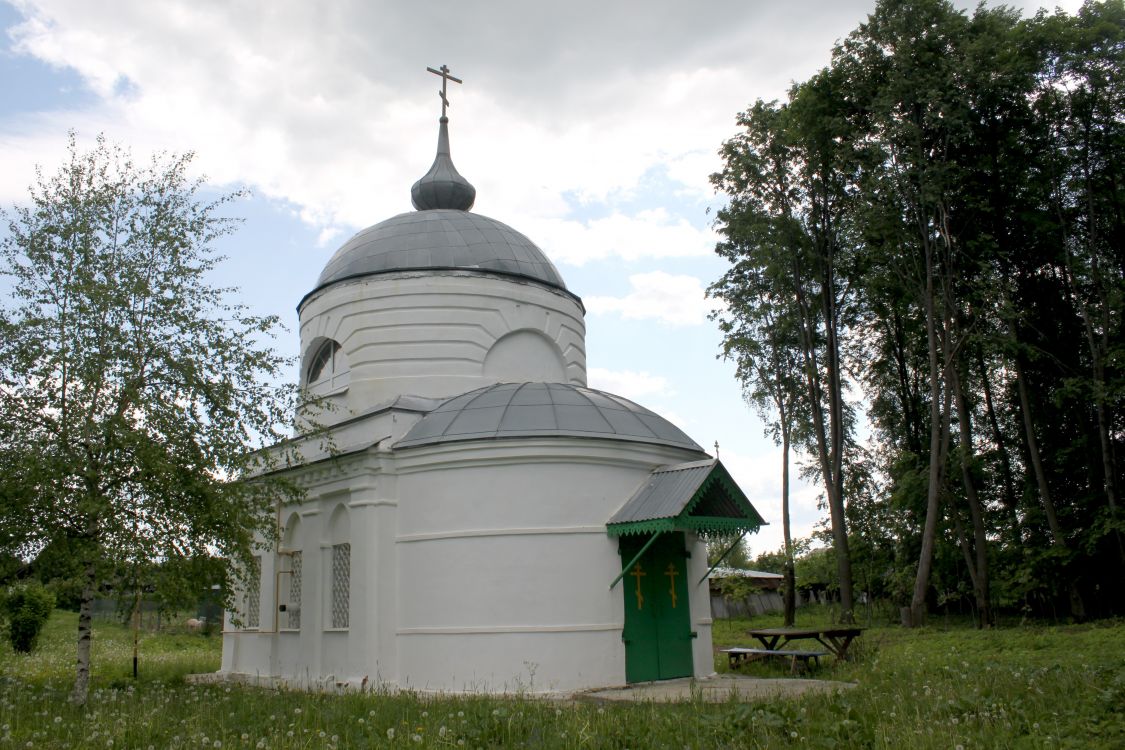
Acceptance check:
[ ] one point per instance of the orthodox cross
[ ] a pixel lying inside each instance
(445, 78)
(638, 573)
(716, 449)
(671, 572)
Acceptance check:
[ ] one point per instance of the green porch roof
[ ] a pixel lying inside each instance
(698, 496)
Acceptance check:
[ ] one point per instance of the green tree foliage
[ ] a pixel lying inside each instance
(971, 170)
(133, 392)
(27, 607)
(787, 237)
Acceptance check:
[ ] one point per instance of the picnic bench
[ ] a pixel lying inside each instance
(739, 656)
(835, 638)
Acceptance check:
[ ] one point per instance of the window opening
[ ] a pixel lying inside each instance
(324, 362)
(293, 610)
(254, 594)
(341, 584)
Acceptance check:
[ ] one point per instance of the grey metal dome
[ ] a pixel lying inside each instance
(511, 410)
(440, 239)
(443, 186)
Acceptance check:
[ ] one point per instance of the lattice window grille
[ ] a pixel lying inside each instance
(293, 610)
(341, 584)
(254, 594)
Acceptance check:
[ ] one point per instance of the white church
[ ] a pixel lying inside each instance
(485, 522)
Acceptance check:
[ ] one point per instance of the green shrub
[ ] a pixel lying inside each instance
(27, 607)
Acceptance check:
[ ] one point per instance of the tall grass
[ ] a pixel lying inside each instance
(941, 687)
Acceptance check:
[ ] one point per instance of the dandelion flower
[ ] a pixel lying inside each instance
(391, 733)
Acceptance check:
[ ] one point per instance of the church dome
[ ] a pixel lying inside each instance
(518, 410)
(440, 239)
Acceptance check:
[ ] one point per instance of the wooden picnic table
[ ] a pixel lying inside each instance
(835, 638)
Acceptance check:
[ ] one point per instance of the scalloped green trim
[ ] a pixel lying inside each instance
(649, 526)
(704, 525)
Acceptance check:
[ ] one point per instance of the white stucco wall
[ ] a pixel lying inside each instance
(476, 567)
(442, 334)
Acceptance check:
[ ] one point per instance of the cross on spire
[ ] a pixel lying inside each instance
(445, 78)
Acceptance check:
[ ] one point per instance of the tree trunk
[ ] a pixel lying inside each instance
(980, 538)
(1033, 454)
(1077, 606)
(1109, 467)
(836, 495)
(85, 634)
(827, 455)
(790, 603)
(1010, 501)
(939, 432)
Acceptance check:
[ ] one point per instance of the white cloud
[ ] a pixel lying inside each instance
(673, 299)
(759, 476)
(647, 234)
(327, 235)
(635, 386)
(327, 106)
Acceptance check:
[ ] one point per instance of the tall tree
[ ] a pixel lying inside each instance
(760, 338)
(132, 390)
(784, 237)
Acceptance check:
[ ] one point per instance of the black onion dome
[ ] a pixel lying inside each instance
(443, 186)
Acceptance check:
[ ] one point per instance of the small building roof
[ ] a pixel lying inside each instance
(742, 573)
(699, 495)
(514, 410)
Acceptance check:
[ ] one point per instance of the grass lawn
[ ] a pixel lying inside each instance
(938, 687)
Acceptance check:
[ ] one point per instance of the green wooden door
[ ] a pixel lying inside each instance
(657, 620)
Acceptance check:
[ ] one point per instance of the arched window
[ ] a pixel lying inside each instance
(327, 369)
(323, 362)
(252, 596)
(341, 584)
(291, 564)
(340, 570)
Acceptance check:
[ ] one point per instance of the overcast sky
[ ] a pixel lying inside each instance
(591, 127)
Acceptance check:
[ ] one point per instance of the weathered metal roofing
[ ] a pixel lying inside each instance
(510, 410)
(699, 495)
(666, 493)
(440, 239)
(443, 186)
(722, 572)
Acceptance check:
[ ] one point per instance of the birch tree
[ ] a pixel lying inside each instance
(132, 389)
